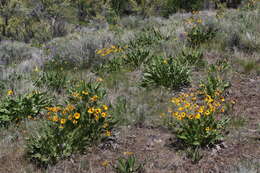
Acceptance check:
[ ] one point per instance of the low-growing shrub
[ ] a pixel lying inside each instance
(196, 118)
(81, 122)
(16, 108)
(167, 72)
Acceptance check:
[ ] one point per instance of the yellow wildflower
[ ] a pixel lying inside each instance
(127, 153)
(183, 114)
(207, 129)
(207, 112)
(84, 92)
(99, 51)
(94, 98)
(63, 121)
(197, 116)
(70, 107)
(98, 110)
(108, 133)
(175, 114)
(201, 109)
(181, 108)
(105, 163)
(55, 118)
(64, 112)
(74, 121)
(105, 107)
(10, 92)
(104, 114)
(96, 117)
(77, 115)
(190, 117)
(179, 117)
(91, 110)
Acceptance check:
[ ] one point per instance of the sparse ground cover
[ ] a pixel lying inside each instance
(155, 95)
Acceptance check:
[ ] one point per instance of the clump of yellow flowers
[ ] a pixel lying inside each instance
(196, 117)
(109, 50)
(69, 116)
(83, 110)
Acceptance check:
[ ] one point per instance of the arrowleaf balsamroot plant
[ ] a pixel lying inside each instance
(81, 122)
(166, 72)
(197, 119)
(15, 108)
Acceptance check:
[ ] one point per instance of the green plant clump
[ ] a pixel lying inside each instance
(170, 73)
(14, 109)
(81, 122)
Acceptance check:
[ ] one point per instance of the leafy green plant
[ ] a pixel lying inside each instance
(147, 37)
(135, 57)
(214, 80)
(198, 32)
(169, 73)
(192, 57)
(81, 122)
(128, 165)
(197, 118)
(54, 79)
(194, 154)
(16, 108)
(113, 65)
(173, 6)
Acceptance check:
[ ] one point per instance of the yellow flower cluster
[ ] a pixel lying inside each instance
(99, 112)
(193, 21)
(82, 94)
(195, 105)
(63, 115)
(107, 51)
